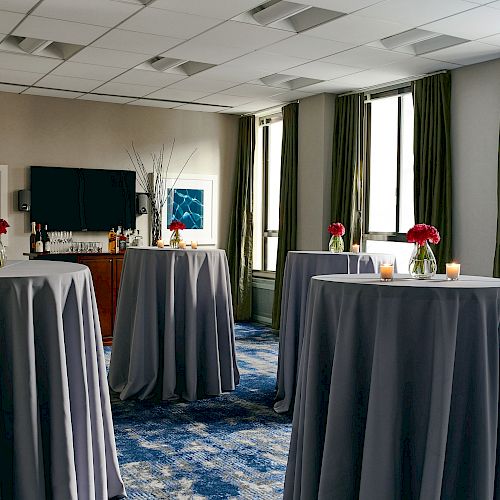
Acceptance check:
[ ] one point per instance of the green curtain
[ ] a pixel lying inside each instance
(432, 159)
(345, 163)
(240, 241)
(288, 201)
(496, 266)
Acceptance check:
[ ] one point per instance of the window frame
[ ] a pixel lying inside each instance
(264, 122)
(396, 236)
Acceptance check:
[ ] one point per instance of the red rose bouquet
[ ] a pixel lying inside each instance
(336, 229)
(176, 225)
(420, 233)
(3, 226)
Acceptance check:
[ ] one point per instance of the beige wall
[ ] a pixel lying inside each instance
(48, 131)
(475, 115)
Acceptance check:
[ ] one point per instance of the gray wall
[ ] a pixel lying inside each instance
(38, 130)
(475, 114)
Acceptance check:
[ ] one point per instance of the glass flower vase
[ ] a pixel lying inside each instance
(336, 244)
(3, 255)
(423, 264)
(175, 239)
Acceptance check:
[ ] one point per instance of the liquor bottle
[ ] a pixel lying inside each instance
(38, 239)
(118, 236)
(112, 241)
(33, 237)
(138, 239)
(46, 239)
(122, 243)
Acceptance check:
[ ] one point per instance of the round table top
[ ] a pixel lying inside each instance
(404, 280)
(38, 268)
(170, 249)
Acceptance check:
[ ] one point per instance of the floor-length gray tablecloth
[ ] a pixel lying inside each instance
(174, 331)
(398, 391)
(56, 430)
(300, 267)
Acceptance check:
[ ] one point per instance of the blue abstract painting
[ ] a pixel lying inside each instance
(187, 206)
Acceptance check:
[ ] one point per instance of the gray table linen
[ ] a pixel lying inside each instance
(300, 267)
(56, 430)
(398, 391)
(174, 330)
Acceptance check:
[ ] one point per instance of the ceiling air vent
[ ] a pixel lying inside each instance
(33, 45)
(38, 47)
(292, 16)
(176, 66)
(289, 82)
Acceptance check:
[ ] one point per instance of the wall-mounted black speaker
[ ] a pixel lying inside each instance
(142, 203)
(24, 200)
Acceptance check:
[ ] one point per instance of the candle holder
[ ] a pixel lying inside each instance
(386, 269)
(452, 271)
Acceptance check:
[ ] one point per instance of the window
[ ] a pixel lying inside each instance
(388, 200)
(267, 173)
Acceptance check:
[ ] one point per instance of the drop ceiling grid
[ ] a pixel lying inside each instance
(337, 52)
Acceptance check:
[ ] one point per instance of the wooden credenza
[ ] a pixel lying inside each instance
(106, 272)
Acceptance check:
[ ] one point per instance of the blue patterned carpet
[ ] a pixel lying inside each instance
(230, 447)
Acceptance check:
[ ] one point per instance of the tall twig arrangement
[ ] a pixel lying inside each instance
(154, 183)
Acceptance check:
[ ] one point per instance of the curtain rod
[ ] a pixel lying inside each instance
(264, 112)
(390, 85)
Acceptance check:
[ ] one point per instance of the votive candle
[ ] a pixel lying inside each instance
(160, 244)
(386, 272)
(355, 248)
(452, 271)
(194, 245)
(182, 245)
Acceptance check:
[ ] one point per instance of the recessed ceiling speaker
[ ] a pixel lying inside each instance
(141, 203)
(24, 200)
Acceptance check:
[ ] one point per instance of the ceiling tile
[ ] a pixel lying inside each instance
(8, 20)
(423, 11)
(155, 104)
(22, 6)
(366, 57)
(150, 78)
(480, 2)
(108, 57)
(225, 100)
(219, 9)
(195, 50)
(250, 90)
(20, 77)
(491, 40)
(307, 47)
(272, 63)
(168, 23)
(25, 62)
(254, 106)
(60, 31)
(125, 89)
(242, 35)
(322, 70)
(341, 5)
(68, 83)
(357, 29)
(368, 78)
(172, 94)
(89, 71)
(495, 5)
(416, 66)
(200, 107)
(16, 89)
(477, 23)
(203, 85)
(104, 98)
(133, 41)
(53, 93)
(97, 12)
(234, 72)
(466, 53)
(291, 95)
(330, 87)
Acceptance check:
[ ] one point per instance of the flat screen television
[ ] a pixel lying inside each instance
(82, 199)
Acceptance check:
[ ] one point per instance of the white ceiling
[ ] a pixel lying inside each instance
(118, 36)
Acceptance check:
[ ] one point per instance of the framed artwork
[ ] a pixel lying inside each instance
(192, 199)
(3, 199)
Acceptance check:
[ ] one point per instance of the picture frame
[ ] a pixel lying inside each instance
(192, 199)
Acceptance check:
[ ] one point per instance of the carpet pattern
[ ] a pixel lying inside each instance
(229, 447)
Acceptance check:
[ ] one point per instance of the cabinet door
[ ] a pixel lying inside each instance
(102, 276)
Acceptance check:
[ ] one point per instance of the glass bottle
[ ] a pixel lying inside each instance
(33, 237)
(112, 241)
(38, 239)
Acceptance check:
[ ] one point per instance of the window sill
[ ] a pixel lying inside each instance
(270, 275)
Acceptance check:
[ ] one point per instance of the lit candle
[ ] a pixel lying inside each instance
(194, 245)
(160, 244)
(386, 272)
(355, 248)
(182, 245)
(452, 271)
